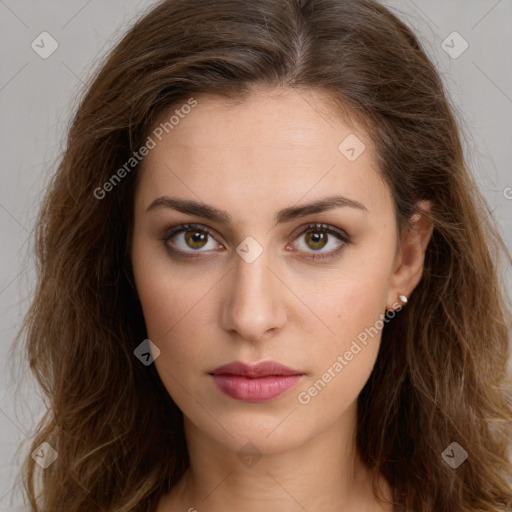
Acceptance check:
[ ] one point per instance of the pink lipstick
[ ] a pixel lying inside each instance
(255, 382)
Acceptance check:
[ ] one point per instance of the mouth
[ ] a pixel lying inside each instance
(255, 382)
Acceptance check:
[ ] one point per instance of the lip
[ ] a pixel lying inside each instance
(255, 382)
(255, 370)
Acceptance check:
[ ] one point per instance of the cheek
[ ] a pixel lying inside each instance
(170, 307)
(173, 300)
(343, 361)
(168, 293)
(356, 295)
(370, 276)
(353, 309)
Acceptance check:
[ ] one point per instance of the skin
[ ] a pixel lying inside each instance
(276, 150)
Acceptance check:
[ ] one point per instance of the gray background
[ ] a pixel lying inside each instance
(37, 98)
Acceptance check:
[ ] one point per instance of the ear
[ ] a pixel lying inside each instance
(410, 256)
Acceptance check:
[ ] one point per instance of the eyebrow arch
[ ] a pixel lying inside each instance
(191, 207)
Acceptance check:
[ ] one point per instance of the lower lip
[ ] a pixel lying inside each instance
(255, 390)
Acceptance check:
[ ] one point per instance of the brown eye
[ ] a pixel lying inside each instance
(195, 239)
(319, 236)
(316, 239)
(189, 238)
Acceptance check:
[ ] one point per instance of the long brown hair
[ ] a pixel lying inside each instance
(441, 373)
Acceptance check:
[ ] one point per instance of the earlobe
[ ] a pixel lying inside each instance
(402, 300)
(411, 255)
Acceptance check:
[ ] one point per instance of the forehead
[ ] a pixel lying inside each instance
(287, 120)
(278, 145)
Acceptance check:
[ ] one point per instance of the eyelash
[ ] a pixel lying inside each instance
(310, 227)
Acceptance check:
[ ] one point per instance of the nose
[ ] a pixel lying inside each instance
(254, 304)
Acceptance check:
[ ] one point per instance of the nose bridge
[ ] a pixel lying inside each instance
(254, 305)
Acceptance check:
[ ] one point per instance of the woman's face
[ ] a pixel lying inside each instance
(261, 285)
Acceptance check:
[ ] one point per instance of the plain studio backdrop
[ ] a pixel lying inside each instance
(469, 40)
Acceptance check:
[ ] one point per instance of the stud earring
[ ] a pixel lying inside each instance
(403, 298)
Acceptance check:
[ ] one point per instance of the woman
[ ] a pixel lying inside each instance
(343, 342)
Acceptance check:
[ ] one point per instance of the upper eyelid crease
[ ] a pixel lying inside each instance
(222, 217)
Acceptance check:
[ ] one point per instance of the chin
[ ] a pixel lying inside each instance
(269, 434)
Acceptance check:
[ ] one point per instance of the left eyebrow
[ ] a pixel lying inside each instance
(191, 207)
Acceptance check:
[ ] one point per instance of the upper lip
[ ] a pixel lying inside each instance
(263, 369)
